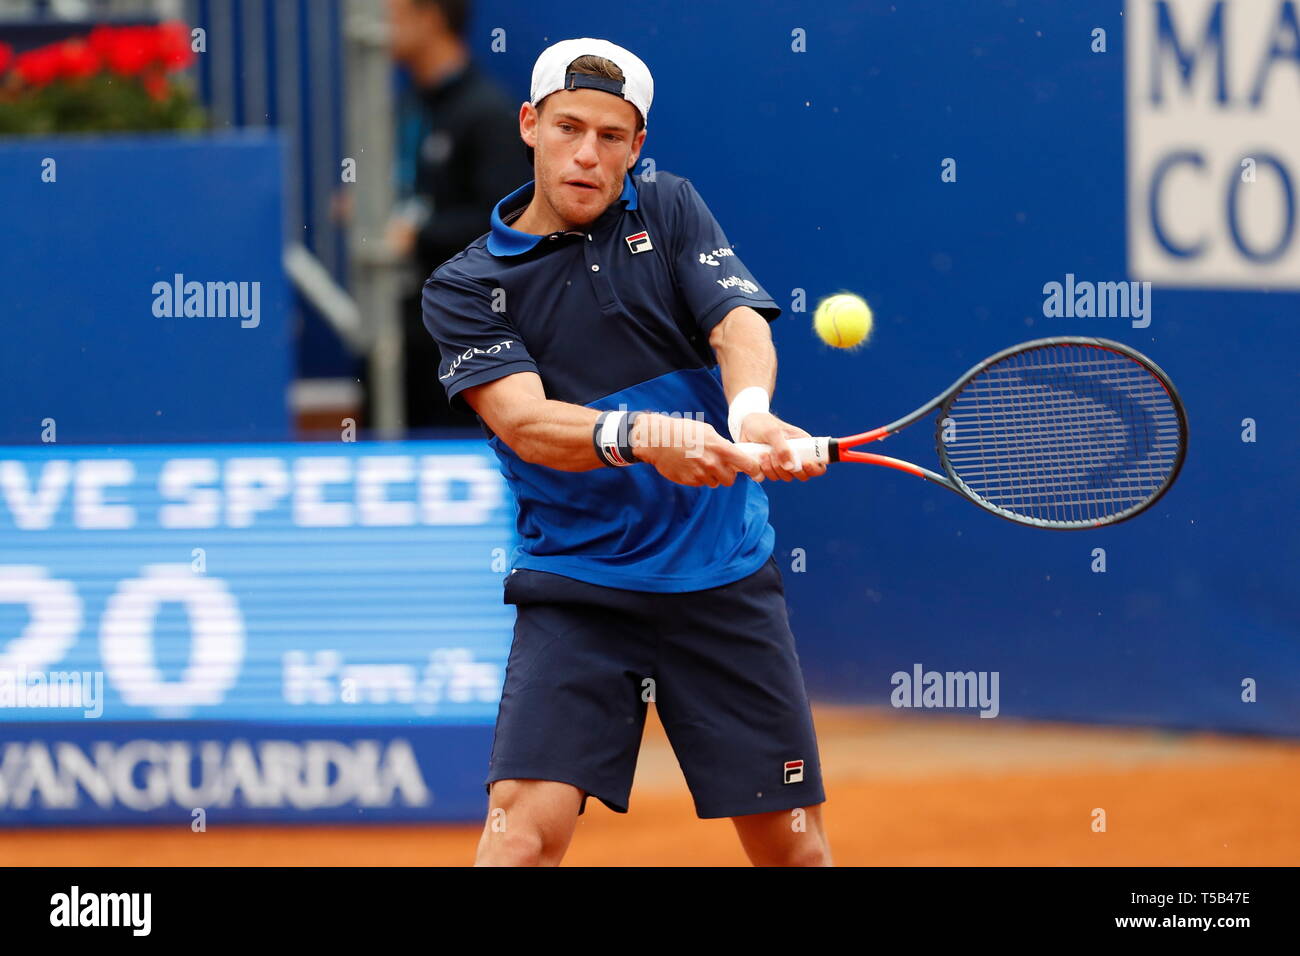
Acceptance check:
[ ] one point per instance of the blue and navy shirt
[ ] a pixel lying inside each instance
(614, 315)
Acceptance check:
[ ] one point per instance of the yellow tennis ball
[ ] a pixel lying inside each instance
(843, 320)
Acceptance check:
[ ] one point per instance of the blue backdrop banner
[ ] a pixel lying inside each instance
(170, 607)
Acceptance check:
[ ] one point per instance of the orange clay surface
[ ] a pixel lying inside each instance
(903, 789)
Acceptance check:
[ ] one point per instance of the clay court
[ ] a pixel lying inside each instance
(903, 791)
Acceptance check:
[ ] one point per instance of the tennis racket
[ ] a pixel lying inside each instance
(1067, 432)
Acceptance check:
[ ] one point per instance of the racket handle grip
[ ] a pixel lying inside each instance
(808, 449)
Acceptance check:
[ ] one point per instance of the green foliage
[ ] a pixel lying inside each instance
(99, 104)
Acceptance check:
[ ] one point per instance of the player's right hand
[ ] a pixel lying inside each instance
(690, 452)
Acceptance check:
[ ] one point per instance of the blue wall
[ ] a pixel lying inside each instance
(824, 168)
(79, 257)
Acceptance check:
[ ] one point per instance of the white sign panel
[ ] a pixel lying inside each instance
(1213, 91)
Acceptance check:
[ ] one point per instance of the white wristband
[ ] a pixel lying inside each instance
(613, 444)
(750, 400)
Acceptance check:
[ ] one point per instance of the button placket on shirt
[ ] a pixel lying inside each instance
(598, 270)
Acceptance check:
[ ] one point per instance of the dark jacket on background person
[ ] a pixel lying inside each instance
(459, 150)
(458, 153)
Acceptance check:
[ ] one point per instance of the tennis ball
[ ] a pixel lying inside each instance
(843, 320)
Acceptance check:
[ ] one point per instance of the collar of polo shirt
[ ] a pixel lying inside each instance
(505, 241)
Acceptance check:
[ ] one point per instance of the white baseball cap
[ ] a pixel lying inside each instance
(551, 73)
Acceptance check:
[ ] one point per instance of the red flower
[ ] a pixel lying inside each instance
(39, 67)
(6, 56)
(173, 46)
(131, 50)
(77, 60)
(155, 84)
(102, 39)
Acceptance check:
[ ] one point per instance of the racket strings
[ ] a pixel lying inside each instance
(1063, 433)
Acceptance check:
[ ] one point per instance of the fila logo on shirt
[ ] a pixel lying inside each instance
(639, 242)
(794, 771)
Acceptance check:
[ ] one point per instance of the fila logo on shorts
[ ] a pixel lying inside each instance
(639, 242)
(794, 771)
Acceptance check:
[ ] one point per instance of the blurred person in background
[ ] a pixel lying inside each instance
(457, 153)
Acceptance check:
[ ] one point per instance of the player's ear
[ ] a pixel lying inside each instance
(528, 124)
(637, 140)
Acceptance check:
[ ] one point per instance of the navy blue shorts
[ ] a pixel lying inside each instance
(719, 664)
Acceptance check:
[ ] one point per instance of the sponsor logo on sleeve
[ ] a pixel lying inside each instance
(736, 282)
(711, 258)
(471, 352)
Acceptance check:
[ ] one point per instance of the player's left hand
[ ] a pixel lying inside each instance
(782, 463)
(400, 237)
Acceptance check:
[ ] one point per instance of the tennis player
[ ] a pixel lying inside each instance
(613, 345)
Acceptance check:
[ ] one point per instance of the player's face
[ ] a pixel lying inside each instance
(584, 141)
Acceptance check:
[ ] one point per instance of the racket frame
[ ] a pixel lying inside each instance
(841, 449)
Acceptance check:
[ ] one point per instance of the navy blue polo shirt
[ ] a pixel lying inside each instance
(614, 315)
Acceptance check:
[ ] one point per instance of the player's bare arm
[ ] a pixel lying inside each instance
(742, 341)
(559, 435)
